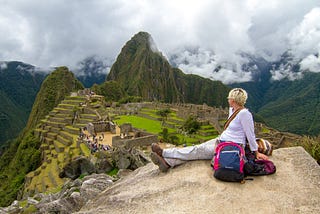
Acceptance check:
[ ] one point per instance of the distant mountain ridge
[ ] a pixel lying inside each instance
(53, 90)
(19, 85)
(24, 153)
(143, 71)
(287, 104)
(92, 70)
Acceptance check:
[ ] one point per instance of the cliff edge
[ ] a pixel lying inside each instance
(191, 188)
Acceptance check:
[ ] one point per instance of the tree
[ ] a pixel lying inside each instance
(164, 114)
(191, 125)
(165, 134)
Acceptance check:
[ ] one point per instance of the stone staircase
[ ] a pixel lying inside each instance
(58, 133)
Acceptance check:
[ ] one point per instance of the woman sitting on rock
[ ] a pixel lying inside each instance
(239, 130)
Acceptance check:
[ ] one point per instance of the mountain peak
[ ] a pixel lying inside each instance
(54, 88)
(143, 40)
(141, 36)
(142, 71)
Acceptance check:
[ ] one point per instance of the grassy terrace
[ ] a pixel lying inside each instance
(153, 124)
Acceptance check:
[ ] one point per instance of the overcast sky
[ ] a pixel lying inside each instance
(48, 33)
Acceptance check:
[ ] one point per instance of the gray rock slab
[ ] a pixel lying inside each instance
(191, 188)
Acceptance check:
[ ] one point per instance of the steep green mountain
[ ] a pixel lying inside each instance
(199, 90)
(53, 90)
(142, 71)
(286, 105)
(19, 85)
(294, 106)
(111, 90)
(12, 118)
(24, 155)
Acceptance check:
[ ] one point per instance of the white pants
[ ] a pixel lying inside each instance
(177, 156)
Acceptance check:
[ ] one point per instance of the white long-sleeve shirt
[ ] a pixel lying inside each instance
(241, 129)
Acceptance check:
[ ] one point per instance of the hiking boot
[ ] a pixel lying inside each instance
(158, 160)
(157, 149)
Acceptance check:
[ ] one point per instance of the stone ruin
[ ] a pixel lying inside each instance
(131, 137)
(101, 126)
(215, 116)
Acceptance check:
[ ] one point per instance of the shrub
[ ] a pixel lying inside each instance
(164, 113)
(113, 172)
(312, 146)
(191, 125)
(174, 140)
(164, 134)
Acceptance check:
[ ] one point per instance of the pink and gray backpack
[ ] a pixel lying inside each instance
(228, 162)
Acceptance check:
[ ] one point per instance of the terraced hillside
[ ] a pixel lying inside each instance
(155, 123)
(60, 129)
(59, 132)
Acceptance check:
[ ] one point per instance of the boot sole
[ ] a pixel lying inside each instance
(156, 159)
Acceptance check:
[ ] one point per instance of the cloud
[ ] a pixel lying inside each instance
(305, 41)
(97, 63)
(311, 63)
(53, 33)
(195, 60)
(305, 37)
(282, 73)
(304, 45)
(3, 65)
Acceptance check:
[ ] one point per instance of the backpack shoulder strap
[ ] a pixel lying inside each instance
(234, 114)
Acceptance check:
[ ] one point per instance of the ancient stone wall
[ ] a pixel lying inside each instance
(117, 141)
(125, 129)
(216, 116)
(104, 126)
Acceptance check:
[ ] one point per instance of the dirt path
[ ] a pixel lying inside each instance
(107, 140)
(107, 136)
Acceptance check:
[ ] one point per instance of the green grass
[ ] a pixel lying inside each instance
(152, 126)
(265, 130)
(207, 130)
(174, 117)
(312, 146)
(31, 209)
(205, 138)
(151, 113)
(187, 140)
(149, 110)
(207, 127)
(85, 149)
(113, 172)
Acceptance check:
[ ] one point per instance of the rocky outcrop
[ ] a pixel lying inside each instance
(71, 198)
(79, 166)
(131, 158)
(191, 188)
(119, 157)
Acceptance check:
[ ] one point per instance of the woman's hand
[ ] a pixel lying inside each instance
(261, 156)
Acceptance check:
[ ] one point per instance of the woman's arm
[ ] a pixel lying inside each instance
(248, 127)
(247, 124)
